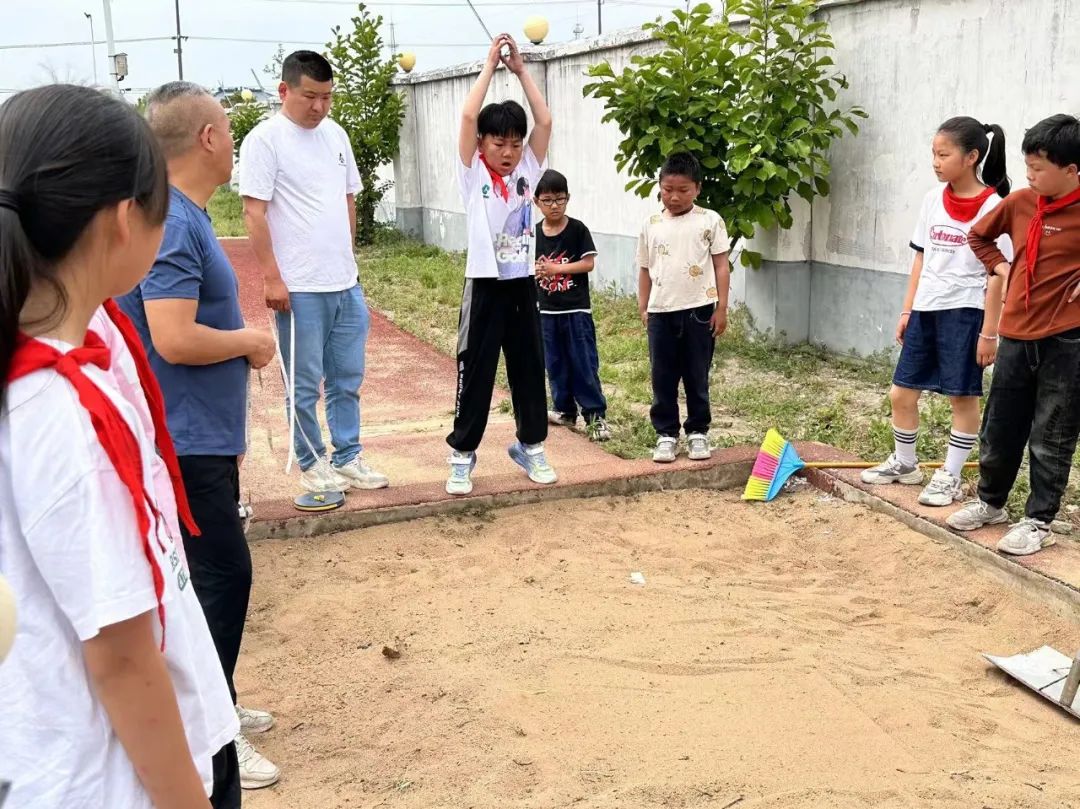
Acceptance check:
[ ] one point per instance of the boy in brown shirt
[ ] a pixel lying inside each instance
(1035, 393)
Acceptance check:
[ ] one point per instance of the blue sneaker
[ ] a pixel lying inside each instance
(531, 458)
(461, 467)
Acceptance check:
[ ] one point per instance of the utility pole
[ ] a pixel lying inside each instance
(599, 18)
(393, 39)
(93, 46)
(179, 45)
(111, 47)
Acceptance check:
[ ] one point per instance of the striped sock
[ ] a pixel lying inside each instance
(905, 445)
(960, 446)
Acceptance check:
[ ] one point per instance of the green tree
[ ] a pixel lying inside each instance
(242, 119)
(754, 100)
(273, 67)
(368, 107)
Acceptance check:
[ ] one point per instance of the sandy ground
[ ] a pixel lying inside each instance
(808, 653)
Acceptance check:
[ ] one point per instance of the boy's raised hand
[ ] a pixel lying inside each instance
(495, 56)
(514, 61)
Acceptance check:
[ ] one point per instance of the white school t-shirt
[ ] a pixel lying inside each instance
(952, 278)
(71, 550)
(499, 230)
(304, 175)
(678, 251)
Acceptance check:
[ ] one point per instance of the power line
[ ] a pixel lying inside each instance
(82, 43)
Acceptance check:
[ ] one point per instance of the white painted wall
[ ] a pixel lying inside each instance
(911, 64)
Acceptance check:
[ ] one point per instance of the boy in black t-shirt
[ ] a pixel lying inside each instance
(564, 258)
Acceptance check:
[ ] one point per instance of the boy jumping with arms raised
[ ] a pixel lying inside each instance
(497, 171)
(1035, 393)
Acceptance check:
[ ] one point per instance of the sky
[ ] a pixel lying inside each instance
(439, 32)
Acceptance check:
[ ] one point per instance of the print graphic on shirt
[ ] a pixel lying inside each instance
(655, 219)
(707, 237)
(662, 249)
(947, 236)
(695, 271)
(512, 244)
(341, 158)
(486, 191)
(563, 282)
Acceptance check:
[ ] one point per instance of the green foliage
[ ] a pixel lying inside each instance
(754, 101)
(368, 107)
(226, 211)
(243, 117)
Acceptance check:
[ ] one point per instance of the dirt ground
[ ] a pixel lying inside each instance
(808, 653)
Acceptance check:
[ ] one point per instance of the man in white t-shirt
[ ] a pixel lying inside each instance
(298, 178)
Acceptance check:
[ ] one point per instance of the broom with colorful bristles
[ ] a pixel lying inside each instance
(777, 461)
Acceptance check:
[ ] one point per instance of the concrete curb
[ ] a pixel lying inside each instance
(1053, 593)
(725, 475)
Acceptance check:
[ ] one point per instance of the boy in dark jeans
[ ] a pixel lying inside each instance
(682, 297)
(565, 255)
(1035, 393)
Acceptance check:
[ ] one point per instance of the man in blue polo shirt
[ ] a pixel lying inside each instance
(187, 311)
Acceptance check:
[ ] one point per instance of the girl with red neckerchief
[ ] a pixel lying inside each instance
(948, 326)
(112, 694)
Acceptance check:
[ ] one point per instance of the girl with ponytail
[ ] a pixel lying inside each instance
(112, 694)
(948, 326)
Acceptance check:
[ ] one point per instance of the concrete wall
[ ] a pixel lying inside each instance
(837, 277)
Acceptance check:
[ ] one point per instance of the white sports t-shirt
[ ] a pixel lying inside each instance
(71, 550)
(678, 251)
(500, 229)
(952, 278)
(304, 175)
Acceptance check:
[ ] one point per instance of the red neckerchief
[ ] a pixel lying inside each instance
(964, 209)
(1044, 206)
(112, 431)
(498, 182)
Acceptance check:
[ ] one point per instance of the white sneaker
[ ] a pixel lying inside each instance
(598, 430)
(665, 449)
(697, 447)
(320, 478)
(943, 490)
(461, 467)
(1026, 537)
(892, 471)
(532, 459)
(253, 721)
(561, 419)
(361, 476)
(975, 515)
(256, 771)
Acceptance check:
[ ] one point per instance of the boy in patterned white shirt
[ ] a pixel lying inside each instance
(682, 297)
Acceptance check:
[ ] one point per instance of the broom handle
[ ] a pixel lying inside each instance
(867, 465)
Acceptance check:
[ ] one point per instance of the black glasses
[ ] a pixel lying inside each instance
(552, 202)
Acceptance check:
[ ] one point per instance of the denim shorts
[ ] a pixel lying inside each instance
(939, 353)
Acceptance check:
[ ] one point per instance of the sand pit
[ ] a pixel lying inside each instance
(808, 653)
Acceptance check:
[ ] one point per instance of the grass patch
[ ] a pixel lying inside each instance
(226, 210)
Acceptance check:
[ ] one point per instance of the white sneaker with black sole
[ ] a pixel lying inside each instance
(975, 515)
(893, 470)
(256, 771)
(1026, 537)
(944, 489)
(561, 419)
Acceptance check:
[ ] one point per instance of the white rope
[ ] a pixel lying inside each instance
(288, 376)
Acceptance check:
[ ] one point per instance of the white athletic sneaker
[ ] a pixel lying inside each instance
(461, 467)
(943, 490)
(532, 459)
(561, 419)
(1026, 537)
(975, 515)
(321, 478)
(697, 447)
(256, 771)
(361, 476)
(253, 721)
(892, 471)
(598, 430)
(665, 449)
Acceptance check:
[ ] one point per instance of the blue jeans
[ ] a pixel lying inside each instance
(573, 364)
(331, 338)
